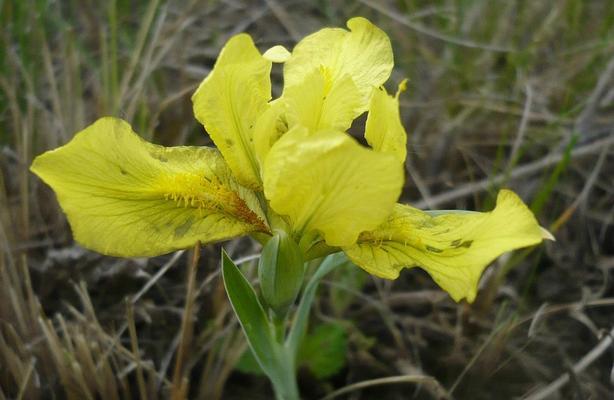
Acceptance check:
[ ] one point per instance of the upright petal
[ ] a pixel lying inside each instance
(126, 197)
(318, 103)
(315, 104)
(384, 130)
(327, 182)
(271, 125)
(454, 248)
(364, 53)
(230, 100)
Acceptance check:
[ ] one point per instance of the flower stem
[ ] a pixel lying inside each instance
(285, 386)
(279, 322)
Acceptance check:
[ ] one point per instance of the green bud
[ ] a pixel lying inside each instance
(280, 270)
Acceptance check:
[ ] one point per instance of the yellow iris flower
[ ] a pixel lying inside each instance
(281, 164)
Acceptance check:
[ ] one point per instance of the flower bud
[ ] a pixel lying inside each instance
(281, 271)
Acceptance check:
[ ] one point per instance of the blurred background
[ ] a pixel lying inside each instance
(516, 94)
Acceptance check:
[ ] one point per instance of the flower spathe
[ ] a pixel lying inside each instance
(285, 163)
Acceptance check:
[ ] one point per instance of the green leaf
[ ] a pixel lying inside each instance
(323, 351)
(247, 364)
(251, 315)
(299, 327)
(275, 360)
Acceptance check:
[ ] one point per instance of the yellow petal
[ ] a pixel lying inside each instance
(271, 125)
(126, 197)
(314, 104)
(230, 100)
(327, 182)
(365, 54)
(384, 130)
(318, 103)
(454, 248)
(277, 54)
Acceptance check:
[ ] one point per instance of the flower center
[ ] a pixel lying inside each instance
(207, 195)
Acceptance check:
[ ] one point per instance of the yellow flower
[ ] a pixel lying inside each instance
(281, 164)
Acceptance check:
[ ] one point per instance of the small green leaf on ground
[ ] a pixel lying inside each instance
(324, 350)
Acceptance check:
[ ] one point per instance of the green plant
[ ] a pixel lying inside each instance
(286, 173)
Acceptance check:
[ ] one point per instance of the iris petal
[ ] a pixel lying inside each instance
(230, 100)
(318, 103)
(384, 130)
(454, 248)
(364, 54)
(329, 183)
(126, 197)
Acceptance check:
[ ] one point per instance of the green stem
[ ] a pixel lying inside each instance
(279, 323)
(285, 385)
(274, 347)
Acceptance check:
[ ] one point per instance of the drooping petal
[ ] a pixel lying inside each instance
(364, 53)
(319, 103)
(126, 197)
(230, 100)
(454, 248)
(329, 183)
(384, 130)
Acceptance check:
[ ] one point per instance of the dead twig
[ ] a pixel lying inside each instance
(580, 366)
(468, 189)
(522, 129)
(436, 389)
(180, 383)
